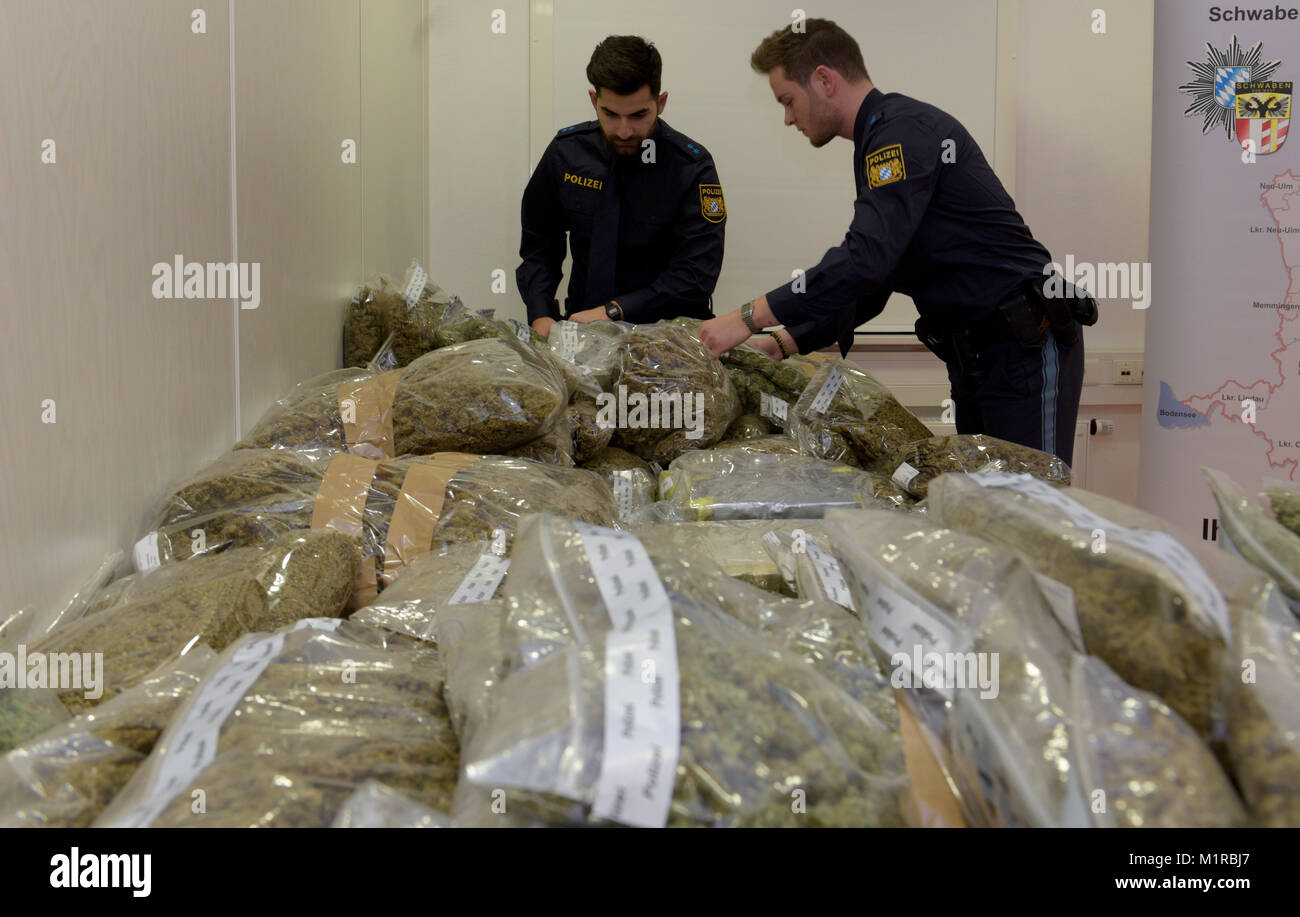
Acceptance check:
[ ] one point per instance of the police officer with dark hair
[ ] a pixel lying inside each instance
(933, 221)
(640, 202)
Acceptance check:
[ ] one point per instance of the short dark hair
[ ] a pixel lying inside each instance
(820, 43)
(623, 64)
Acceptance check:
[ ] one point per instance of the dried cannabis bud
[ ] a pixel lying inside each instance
(917, 464)
(425, 587)
(26, 713)
(308, 419)
(1285, 501)
(747, 426)
(856, 417)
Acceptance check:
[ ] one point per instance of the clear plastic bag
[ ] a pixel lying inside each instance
(211, 600)
(28, 625)
(764, 739)
(746, 426)
(490, 497)
(772, 444)
(368, 323)
(482, 396)
(428, 584)
(739, 547)
(917, 464)
(473, 651)
(847, 415)
(1148, 765)
(1284, 498)
(374, 805)
(633, 482)
(661, 366)
(1263, 739)
(591, 348)
(69, 774)
(555, 447)
(736, 484)
(27, 712)
(310, 714)
(1151, 603)
(1005, 725)
(590, 436)
(1257, 537)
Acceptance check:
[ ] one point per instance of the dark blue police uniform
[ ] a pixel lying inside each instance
(933, 221)
(647, 234)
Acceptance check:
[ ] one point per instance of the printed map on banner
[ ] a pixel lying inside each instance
(1275, 393)
(1255, 379)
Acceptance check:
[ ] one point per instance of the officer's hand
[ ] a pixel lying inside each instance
(723, 333)
(767, 344)
(543, 326)
(597, 314)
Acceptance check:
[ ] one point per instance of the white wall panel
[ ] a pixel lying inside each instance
(138, 107)
(297, 98)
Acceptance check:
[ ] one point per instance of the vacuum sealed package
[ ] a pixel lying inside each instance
(733, 484)
(286, 726)
(715, 725)
(1284, 499)
(1248, 531)
(634, 483)
(1263, 741)
(452, 574)
(26, 713)
(219, 598)
(67, 775)
(482, 396)
(1142, 765)
(917, 464)
(590, 435)
(846, 415)
(374, 805)
(673, 395)
(1154, 605)
(989, 666)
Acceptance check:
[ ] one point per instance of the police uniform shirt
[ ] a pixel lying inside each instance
(931, 220)
(649, 234)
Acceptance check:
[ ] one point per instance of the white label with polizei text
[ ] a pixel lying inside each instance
(642, 691)
(830, 388)
(898, 625)
(481, 583)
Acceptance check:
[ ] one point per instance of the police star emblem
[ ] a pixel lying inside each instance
(1219, 79)
(712, 204)
(886, 165)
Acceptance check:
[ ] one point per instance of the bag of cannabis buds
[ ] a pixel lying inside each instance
(712, 724)
(969, 629)
(288, 725)
(677, 395)
(211, 600)
(1248, 531)
(634, 483)
(917, 464)
(69, 774)
(846, 415)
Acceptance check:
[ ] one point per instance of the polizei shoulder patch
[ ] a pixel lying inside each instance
(886, 165)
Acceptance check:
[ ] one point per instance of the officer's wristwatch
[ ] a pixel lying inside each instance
(747, 316)
(613, 311)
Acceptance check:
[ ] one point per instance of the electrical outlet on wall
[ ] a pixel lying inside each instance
(1126, 372)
